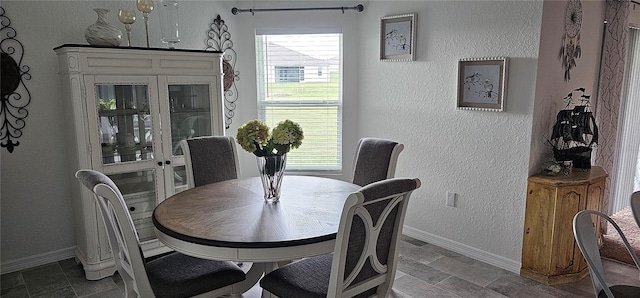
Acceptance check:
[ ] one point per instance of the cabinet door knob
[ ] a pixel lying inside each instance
(528, 229)
(168, 162)
(160, 163)
(132, 208)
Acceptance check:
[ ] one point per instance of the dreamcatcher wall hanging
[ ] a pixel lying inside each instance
(15, 95)
(570, 50)
(219, 39)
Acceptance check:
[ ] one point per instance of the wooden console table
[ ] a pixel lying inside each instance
(550, 253)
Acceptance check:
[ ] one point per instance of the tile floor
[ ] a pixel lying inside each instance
(424, 270)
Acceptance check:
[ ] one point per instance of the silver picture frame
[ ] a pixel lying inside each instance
(398, 37)
(482, 83)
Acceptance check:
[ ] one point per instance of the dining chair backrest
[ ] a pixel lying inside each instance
(635, 206)
(123, 238)
(210, 159)
(368, 240)
(169, 275)
(584, 232)
(366, 249)
(375, 160)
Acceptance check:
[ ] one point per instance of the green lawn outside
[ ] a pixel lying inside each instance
(305, 91)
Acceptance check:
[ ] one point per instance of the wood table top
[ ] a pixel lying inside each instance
(233, 213)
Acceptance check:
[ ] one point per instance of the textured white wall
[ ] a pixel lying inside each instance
(550, 85)
(36, 211)
(37, 216)
(481, 156)
(634, 14)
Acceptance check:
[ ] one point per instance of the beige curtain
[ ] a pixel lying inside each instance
(627, 163)
(614, 53)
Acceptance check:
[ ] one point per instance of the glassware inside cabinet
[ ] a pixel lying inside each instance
(124, 122)
(190, 109)
(139, 192)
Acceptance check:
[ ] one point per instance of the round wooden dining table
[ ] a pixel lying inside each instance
(230, 220)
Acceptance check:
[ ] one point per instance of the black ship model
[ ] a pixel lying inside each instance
(575, 132)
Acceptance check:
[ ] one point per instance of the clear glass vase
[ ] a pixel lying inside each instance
(169, 22)
(271, 171)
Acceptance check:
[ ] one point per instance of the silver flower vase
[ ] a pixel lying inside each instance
(271, 171)
(102, 33)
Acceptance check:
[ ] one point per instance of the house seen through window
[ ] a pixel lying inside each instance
(289, 73)
(299, 78)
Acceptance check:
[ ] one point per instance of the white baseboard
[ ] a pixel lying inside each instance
(37, 260)
(463, 249)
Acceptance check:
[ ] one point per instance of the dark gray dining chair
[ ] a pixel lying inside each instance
(584, 232)
(170, 275)
(366, 250)
(375, 160)
(210, 159)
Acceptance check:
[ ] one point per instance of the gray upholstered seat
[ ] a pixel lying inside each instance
(375, 160)
(635, 206)
(366, 251)
(171, 275)
(210, 159)
(584, 232)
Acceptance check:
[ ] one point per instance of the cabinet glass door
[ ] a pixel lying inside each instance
(123, 120)
(190, 112)
(124, 123)
(188, 102)
(139, 191)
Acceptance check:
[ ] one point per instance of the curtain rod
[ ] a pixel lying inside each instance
(358, 8)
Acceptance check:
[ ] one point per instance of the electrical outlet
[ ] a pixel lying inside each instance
(451, 199)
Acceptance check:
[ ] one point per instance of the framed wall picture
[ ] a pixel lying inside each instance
(398, 37)
(482, 83)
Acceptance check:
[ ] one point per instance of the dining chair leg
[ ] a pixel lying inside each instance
(237, 289)
(129, 289)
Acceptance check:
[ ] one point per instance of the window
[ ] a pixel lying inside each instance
(299, 78)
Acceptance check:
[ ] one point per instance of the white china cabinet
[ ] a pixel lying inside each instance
(128, 109)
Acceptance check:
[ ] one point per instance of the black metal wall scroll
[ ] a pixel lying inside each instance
(15, 95)
(219, 39)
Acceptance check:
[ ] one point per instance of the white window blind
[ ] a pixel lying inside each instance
(299, 77)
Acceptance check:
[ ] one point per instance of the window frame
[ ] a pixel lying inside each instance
(336, 105)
